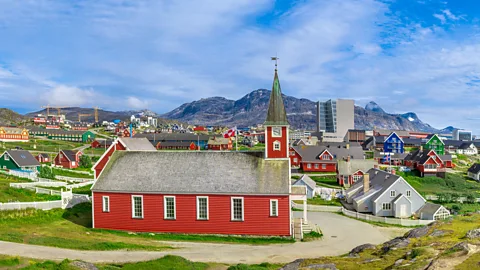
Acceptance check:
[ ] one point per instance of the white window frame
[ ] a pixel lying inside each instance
(276, 146)
(393, 193)
(356, 177)
(409, 193)
(316, 166)
(198, 208)
(276, 208)
(73, 163)
(309, 165)
(386, 206)
(107, 208)
(165, 207)
(232, 209)
(133, 206)
(6, 157)
(326, 157)
(295, 159)
(324, 166)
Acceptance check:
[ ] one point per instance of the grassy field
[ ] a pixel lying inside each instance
(8, 194)
(71, 228)
(80, 190)
(453, 183)
(94, 151)
(41, 145)
(320, 201)
(463, 208)
(71, 174)
(327, 180)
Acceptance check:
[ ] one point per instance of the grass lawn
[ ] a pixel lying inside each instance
(71, 228)
(42, 145)
(319, 201)
(71, 174)
(94, 151)
(81, 190)
(8, 194)
(327, 180)
(464, 207)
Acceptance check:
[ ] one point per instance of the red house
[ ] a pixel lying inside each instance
(427, 162)
(42, 158)
(232, 193)
(121, 144)
(176, 146)
(199, 128)
(101, 143)
(68, 158)
(220, 143)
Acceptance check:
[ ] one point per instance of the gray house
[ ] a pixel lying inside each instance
(474, 172)
(308, 183)
(384, 194)
(433, 211)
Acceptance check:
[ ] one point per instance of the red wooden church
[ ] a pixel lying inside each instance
(241, 193)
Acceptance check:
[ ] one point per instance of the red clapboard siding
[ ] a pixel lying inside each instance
(257, 220)
(101, 163)
(330, 167)
(283, 153)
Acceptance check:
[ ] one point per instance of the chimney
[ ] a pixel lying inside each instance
(393, 172)
(421, 148)
(366, 182)
(347, 146)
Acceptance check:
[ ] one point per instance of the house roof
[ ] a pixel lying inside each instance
(276, 114)
(156, 137)
(420, 156)
(218, 141)
(208, 173)
(104, 142)
(43, 155)
(70, 154)
(475, 168)
(22, 158)
(307, 180)
(310, 153)
(453, 143)
(429, 209)
(465, 145)
(445, 157)
(393, 156)
(299, 190)
(12, 130)
(137, 144)
(354, 165)
(379, 182)
(387, 132)
(174, 144)
(393, 134)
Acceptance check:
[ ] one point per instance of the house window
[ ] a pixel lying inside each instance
(324, 166)
(237, 209)
(441, 214)
(169, 207)
(202, 208)
(326, 157)
(316, 166)
(409, 193)
(276, 145)
(7, 157)
(73, 163)
(292, 153)
(274, 208)
(309, 166)
(356, 178)
(137, 206)
(430, 166)
(295, 160)
(386, 206)
(393, 193)
(106, 204)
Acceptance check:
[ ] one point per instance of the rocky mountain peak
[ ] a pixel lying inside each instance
(374, 107)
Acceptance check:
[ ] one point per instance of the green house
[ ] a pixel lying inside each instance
(433, 142)
(18, 160)
(71, 135)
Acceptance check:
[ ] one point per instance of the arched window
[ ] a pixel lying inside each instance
(276, 146)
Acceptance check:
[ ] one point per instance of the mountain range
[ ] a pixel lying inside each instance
(252, 108)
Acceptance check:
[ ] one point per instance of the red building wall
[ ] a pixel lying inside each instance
(283, 153)
(64, 162)
(294, 155)
(257, 220)
(330, 167)
(103, 161)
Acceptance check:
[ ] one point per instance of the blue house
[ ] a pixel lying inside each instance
(393, 144)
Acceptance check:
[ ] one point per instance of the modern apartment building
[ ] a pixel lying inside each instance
(462, 135)
(335, 118)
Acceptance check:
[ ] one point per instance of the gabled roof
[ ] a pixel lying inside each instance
(44, 155)
(276, 114)
(420, 156)
(393, 134)
(393, 156)
(218, 141)
(431, 136)
(137, 144)
(12, 130)
(104, 142)
(307, 180)
(429, 209)
(445, 157)
(354, 165)
(70, 154)
(310, 153)
(475, 168)
(22, 158)
(175, 144)
(210, 172)
(466, 145)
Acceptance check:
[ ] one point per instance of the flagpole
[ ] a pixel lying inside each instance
(236, 139)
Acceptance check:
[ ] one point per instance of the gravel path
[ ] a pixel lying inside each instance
(341, 234)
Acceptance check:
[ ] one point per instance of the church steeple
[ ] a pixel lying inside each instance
(276, 114)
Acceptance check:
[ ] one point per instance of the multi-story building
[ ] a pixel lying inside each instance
(462, 135)
(335, 118)
(433, 142)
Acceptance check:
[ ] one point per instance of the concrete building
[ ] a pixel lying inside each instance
(462, 135)
(335, 118)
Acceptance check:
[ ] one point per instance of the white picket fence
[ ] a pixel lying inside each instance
(37, 205)
(73, 179)
(28, 175)
(318, 208)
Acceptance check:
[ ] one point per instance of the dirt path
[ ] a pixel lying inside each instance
(341, 234)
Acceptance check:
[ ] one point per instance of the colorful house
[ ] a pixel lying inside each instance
(351, 170)
(68, 159)
(176, 146)
(43, 158)
(231, 193)
(220, 143)
(64, 135)
(101, 143)
(18, 160)
(433, 142)
(393, 144)
(427, 162)
(10, 134)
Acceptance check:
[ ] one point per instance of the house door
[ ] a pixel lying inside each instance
(403, 210)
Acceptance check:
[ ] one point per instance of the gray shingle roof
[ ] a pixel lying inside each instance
(70, 154)
(22, 158)
(311, 153)
(349, 168)
(379, 182)
(419, 156)
(475, 168)
(393, 156)
(429, 209)
(137, 144)
(192, 172)
(156, 137)
(307, 180)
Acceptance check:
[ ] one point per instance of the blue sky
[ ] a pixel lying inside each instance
(418, 55)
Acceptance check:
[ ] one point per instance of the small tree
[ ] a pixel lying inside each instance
(471, 198)
(85, 162)
(46, 172)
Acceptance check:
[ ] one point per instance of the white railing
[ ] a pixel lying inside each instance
(37, 205)
(318, 208)
(76, 171)
(394, 221)
(72, 179)
(34, 184)
(27, 175)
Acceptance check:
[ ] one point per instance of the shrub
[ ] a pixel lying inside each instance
(46, 172)
(471, 198)
(85, 162)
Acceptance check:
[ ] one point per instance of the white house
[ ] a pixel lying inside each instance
(467, 149)
(474, 172)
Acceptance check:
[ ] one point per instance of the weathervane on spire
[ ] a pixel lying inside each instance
(275, 58)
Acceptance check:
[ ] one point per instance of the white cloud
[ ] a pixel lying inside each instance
(450, 15)
(136, 103)
(63, 95)
(441, 17)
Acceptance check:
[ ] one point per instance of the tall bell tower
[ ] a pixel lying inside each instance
(276, 124)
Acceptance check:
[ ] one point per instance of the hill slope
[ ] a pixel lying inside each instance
(9, 117)
(252, 108)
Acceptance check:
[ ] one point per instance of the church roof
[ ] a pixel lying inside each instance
(276, 114)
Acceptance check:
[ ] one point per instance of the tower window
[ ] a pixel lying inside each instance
(276, 145)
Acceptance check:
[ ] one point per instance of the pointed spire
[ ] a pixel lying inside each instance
(276, 114)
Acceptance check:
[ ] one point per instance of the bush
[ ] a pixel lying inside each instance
(85, 162)
(46, 172)
(456, 208)
(471, 198)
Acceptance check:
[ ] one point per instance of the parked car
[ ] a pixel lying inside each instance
(404, 169)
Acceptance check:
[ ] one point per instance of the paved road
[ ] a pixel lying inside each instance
(341, 234)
